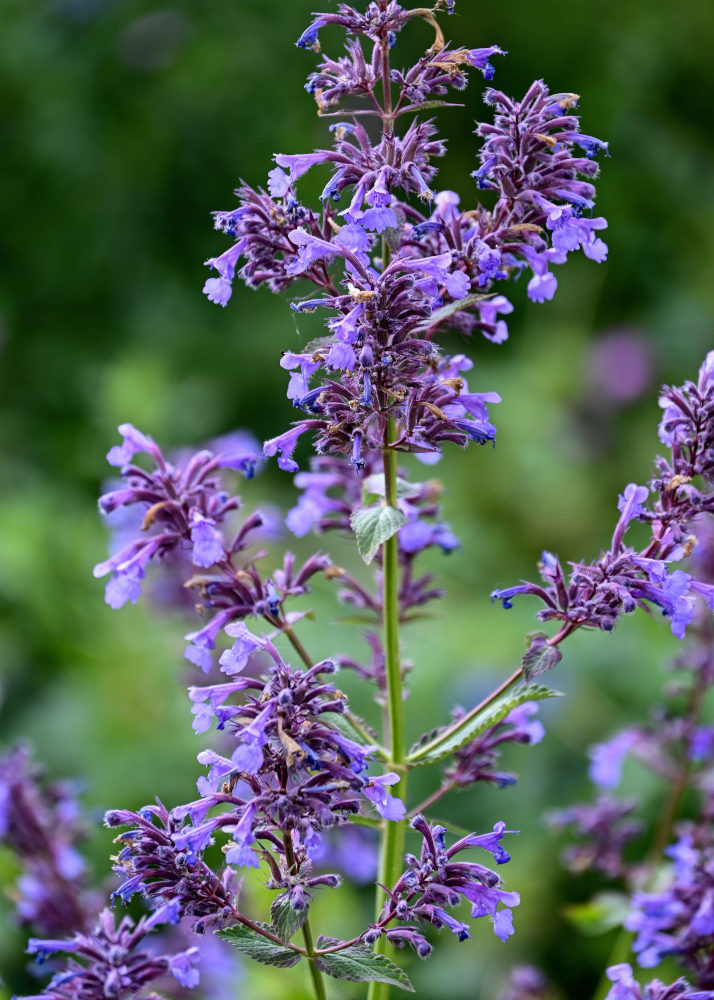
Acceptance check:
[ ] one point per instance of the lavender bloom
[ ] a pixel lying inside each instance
(291, 773)
(626, 987)
(604, 829)
(437, 256)
(478, 759)
(679, 919)
(151, 862)
(622, 578)
(110, 961)
(183, 504)
(434, 881)
(41, 824)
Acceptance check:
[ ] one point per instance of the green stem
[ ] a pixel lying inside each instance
(318, 983)
(390, 556)
(392, 849)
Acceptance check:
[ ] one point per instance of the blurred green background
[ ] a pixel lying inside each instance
(123, 124)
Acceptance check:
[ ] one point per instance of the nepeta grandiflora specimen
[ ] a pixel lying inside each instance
(397, 264)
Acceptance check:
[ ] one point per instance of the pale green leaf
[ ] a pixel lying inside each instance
(373, 526)
(260, 948)
(359, 964)
(443, 742)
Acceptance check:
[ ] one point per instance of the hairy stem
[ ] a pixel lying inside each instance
(318, 983)
(392, 848)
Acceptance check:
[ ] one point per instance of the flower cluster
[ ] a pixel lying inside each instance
(679, 920)
(112, 961)
(477, 761)
(435, 882)
(40, 822)
(391, 271)
(604, 828)
(623, 578)
(184, 506)
(626, 987)
(291, 775)
(186, 509)
(155, 861)
(672, 906)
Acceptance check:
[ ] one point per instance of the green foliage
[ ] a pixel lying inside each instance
(285, 918)
(360, 964)
(373, 526)
(440, 743)
(259, 948)
(539, 658)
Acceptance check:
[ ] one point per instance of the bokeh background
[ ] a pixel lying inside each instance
(123, 123)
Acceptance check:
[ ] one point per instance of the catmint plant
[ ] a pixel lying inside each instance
(391, 262)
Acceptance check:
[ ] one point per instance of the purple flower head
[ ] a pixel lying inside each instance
(386, 804)
(218, 290)
(42, 826)
(478, 760)
(284, 445)
(114, 957)
(603, 830)
(235, 659)
(436, 880)
(207, 542)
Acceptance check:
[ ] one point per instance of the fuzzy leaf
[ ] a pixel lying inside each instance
(448, 310)
(539, 658)
(442, 742)
(286, 919)
(360, 964)
(373, 526)
(255, 946)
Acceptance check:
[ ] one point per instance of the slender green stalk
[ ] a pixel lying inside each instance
(318, 983)
(392, 848)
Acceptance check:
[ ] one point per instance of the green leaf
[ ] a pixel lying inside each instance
(286, 919)
(255, 946)
(539, 658)
(442, 742)
(600, 914)
(374, 485)
(373, 526)
(360, 964)
(453, 307)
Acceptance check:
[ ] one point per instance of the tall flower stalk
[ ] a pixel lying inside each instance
(292, 764)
